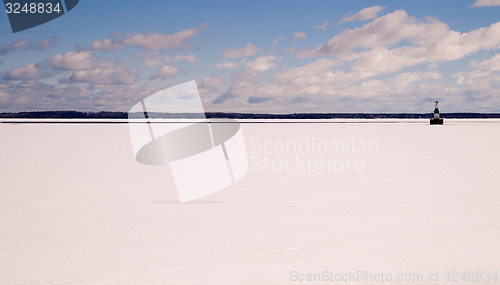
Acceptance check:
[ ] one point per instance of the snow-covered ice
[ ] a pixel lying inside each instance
(76, 208)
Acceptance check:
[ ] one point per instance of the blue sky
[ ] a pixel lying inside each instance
(259, 56)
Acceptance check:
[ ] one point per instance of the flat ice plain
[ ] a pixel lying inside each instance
(76, 208)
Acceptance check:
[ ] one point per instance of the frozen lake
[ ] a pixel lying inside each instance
(394, 197)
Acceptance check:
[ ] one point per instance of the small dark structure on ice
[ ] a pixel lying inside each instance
(436, 120)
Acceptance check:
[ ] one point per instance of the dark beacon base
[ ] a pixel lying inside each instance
(436, 121)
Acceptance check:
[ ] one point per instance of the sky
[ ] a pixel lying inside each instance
(259, 56)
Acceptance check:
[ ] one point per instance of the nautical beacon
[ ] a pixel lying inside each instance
(436, 120)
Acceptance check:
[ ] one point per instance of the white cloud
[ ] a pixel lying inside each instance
(45, 43)
(104, 73)
(473, 76)
(155, 41)
(15, 45)
(104, 96)
(27, 72)
(299, 35)
(486, 3)
(278, 39)
(152, 59)
(74, 60)
(262, 63)
(484, 72)
(249, 50)
(107, 45)
(252, 69)
(403, 80)
(4, 95)
(26, 44)
(229, 64)
(151, 41)
(433, 65)
(381, 60)
(369, 89)
(384, 31)
(309, 75)
(323, 26)
(492, 64)
(166, 72)
(210, 85)
(188, 58)
(211, 82)
(363, 15)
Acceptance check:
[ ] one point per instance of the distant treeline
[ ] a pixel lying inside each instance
(210, 115)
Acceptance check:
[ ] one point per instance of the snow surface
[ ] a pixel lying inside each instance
(76, 208)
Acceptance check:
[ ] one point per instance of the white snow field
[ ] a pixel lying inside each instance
(344, 202)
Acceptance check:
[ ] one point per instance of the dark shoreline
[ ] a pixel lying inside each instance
(220, 115)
